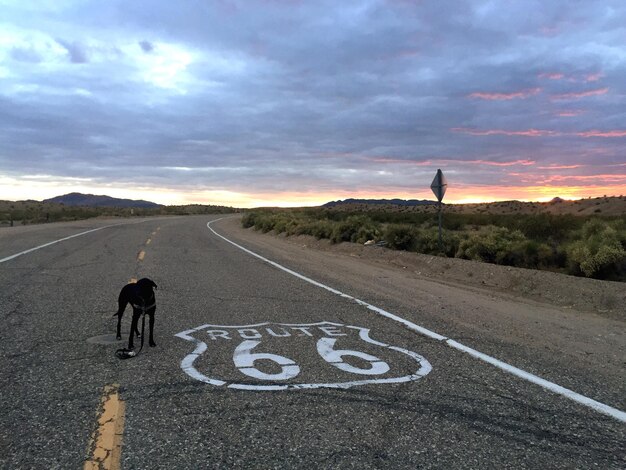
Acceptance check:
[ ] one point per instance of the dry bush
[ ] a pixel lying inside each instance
(600, 252)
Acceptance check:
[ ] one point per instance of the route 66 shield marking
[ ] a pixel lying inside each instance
(260, 363)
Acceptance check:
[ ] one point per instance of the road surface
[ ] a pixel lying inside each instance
(300, 364)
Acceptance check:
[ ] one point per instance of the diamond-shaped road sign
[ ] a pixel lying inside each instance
(439, 185)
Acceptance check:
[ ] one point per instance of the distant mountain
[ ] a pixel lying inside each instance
(79, 199)
(395, 202)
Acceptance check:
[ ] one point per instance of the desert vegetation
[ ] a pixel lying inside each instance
(35, 212)
(591, 246)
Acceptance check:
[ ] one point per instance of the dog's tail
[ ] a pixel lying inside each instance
(121, 309)
(122, 302)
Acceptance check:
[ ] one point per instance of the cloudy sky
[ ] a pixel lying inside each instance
(286, 102)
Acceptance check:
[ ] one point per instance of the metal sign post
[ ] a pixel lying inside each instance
(439, 186)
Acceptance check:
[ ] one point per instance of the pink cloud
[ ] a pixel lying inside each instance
(593, 77)
(603, 178)
(559, 167)
(570, 112)
(492, 163)
(550, 30)
(445, 161)
(596, 133)
(568, 179)
(524, 133)
(540, 132)
(581, 94)
(401, 161)
(505, 96)
(551, 76)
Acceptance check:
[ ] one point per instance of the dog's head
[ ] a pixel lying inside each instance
(146, 286)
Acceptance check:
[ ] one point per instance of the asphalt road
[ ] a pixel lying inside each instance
(257, 368)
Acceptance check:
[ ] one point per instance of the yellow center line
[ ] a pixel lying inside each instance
(148, 241)
(141, 255)
(105, 447)
(132, 280)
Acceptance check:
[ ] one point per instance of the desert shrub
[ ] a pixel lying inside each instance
(412, 218)
(318, 229)
(492, 244)
(322, 229)
(356, 228)
(600, 252)
(423, 239)
(427, 241)
(451, 222)
(543, 227)
(591, 246)
(400, 236)
(367, 232)
(248, 220)
(284, 223)
(530, 254)
(264, 222)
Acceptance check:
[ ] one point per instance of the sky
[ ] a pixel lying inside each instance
(291, 103)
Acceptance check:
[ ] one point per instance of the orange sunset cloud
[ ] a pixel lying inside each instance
(505, 96)
(581, 94)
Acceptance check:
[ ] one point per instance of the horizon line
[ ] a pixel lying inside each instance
(286, 204)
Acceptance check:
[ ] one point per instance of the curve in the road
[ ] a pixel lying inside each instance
(546, 384)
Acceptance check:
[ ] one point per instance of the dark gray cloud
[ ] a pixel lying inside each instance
(323, 96)
(146, 46)
(75, 51)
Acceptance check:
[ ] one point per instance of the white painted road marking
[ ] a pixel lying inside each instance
(318, 337)
(66, 238)
(586, 401)
(52, 243)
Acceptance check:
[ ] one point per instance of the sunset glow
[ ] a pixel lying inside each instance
(276, 103)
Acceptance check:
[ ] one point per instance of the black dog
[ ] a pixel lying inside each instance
(141, 296)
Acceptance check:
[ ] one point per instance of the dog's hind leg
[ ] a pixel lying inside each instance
(122, 302)
(151, 342)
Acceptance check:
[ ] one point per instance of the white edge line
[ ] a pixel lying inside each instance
(577, 397)
(551, 386)
(52, 243)
(66, 238)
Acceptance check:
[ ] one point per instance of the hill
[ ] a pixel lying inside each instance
(92, 200)
(381, 202)
(36, 212)
(602, 206)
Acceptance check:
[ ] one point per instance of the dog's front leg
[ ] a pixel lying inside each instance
(122, 302)
(133, 328)
(119, 327)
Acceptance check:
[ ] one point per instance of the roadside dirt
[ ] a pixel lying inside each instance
(553, 325)
(605, 298)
